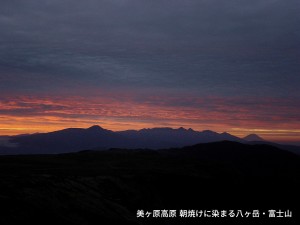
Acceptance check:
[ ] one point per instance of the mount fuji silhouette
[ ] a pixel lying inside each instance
(253, 137)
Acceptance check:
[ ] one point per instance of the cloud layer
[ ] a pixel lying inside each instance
(179, 52)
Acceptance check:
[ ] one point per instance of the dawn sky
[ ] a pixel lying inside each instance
(128, 64)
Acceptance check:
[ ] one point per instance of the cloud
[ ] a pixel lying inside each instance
(220, 47)
(201, 63)
(229, 112)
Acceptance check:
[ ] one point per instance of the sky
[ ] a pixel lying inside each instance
(229, 66)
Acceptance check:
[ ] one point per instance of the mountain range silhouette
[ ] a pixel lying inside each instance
(98, 138)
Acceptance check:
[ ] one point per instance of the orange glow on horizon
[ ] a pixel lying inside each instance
(22, 115)
(31, 127)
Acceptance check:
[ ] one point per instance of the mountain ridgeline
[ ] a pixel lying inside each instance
(97, 138)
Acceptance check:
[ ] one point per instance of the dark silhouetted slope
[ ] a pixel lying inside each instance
(108, 187)
(67, 140)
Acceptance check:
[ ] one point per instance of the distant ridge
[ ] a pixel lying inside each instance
(98, 138)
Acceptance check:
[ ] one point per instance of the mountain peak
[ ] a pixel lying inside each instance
(95, 128)
(253, 137)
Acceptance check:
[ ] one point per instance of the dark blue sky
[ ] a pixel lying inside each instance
(247, 52)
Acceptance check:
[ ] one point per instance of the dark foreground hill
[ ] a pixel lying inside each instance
(108, 187)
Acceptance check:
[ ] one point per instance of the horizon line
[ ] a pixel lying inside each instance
(238, 132)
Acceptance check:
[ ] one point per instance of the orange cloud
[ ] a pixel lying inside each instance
(271, 118)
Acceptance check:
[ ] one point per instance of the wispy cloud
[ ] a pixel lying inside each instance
(127, 111)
